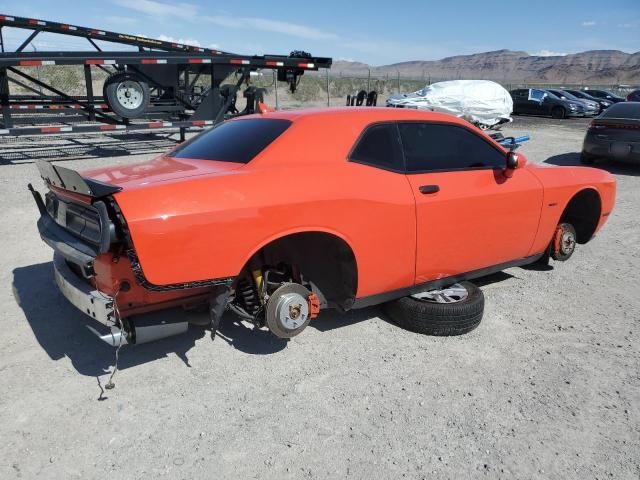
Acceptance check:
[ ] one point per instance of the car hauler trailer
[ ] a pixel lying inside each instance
(162, 85)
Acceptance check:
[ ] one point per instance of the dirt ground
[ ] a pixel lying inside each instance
(548, 387)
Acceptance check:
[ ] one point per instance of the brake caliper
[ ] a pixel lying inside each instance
(314, 305)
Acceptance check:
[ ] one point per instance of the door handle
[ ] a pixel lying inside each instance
(426, 189)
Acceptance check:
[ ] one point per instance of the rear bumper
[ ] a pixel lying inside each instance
(100, 307)
(600, 148)
(82, 295)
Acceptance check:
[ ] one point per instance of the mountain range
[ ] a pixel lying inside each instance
(590, 67)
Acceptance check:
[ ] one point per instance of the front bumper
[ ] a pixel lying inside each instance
(83, 295)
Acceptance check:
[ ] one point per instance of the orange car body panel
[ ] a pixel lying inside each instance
(478, 218)
(113, 272)
(191, 220)
(560, 185)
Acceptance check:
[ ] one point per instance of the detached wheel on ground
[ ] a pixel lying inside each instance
(127, 94)
(448, 311)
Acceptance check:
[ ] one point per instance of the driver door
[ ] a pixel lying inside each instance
(469, 215)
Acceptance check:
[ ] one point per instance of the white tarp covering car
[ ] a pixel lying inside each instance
(481, 102)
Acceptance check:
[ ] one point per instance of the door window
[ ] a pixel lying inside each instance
(537, 95)
(438, 147)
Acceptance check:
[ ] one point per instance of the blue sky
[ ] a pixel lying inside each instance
(372, 32)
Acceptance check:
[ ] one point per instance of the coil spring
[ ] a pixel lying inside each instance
(249, 297)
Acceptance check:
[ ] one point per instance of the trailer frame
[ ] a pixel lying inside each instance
(171, 71)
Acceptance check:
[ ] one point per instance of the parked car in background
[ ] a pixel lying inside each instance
(603, 102)
(615, 134)
(634, 96)
(591, 107)
(533, 101)
(613, 98)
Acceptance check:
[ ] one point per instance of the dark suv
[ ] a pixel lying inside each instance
(533, 101)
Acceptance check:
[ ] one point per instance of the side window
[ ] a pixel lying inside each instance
(379, 146)
(537, 95)
(437, 147)
(519, 94)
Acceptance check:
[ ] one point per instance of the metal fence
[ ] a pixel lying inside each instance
(331, 88)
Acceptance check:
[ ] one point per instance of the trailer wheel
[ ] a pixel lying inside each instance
(127, 94)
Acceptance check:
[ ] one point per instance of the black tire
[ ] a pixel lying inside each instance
(586, 159)
(120, 106)
(558, 112)
(439, 319)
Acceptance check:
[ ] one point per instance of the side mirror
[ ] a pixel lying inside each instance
(513, 162)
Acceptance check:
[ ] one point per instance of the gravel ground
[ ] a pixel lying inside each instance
(547, 387)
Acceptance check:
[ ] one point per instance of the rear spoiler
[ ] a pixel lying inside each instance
(72, 181)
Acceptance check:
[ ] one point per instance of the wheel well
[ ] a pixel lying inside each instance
(322, 258)
(583, 212)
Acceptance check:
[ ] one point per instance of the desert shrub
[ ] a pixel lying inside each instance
(310, 88)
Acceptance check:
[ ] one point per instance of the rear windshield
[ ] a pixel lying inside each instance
(233, 141)
(623, 110)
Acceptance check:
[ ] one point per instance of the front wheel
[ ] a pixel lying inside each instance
(558, 112)
(454, 310)
(564, 242)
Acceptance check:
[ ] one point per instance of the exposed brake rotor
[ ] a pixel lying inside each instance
(289, 310)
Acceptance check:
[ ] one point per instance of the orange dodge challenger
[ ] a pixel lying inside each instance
(279, 215)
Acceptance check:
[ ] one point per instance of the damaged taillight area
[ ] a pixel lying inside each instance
(88, 221)
(114, 275)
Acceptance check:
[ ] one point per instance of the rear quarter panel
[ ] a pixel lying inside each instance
(560, 185)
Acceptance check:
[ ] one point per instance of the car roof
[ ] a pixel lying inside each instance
(361, 115)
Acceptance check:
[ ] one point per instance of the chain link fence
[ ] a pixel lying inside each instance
(331, 89)
(322, 88)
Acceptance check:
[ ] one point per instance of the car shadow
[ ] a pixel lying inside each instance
(612, 166)
(248, 339)
(491, 279)
(61, 331)
(333, 319)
